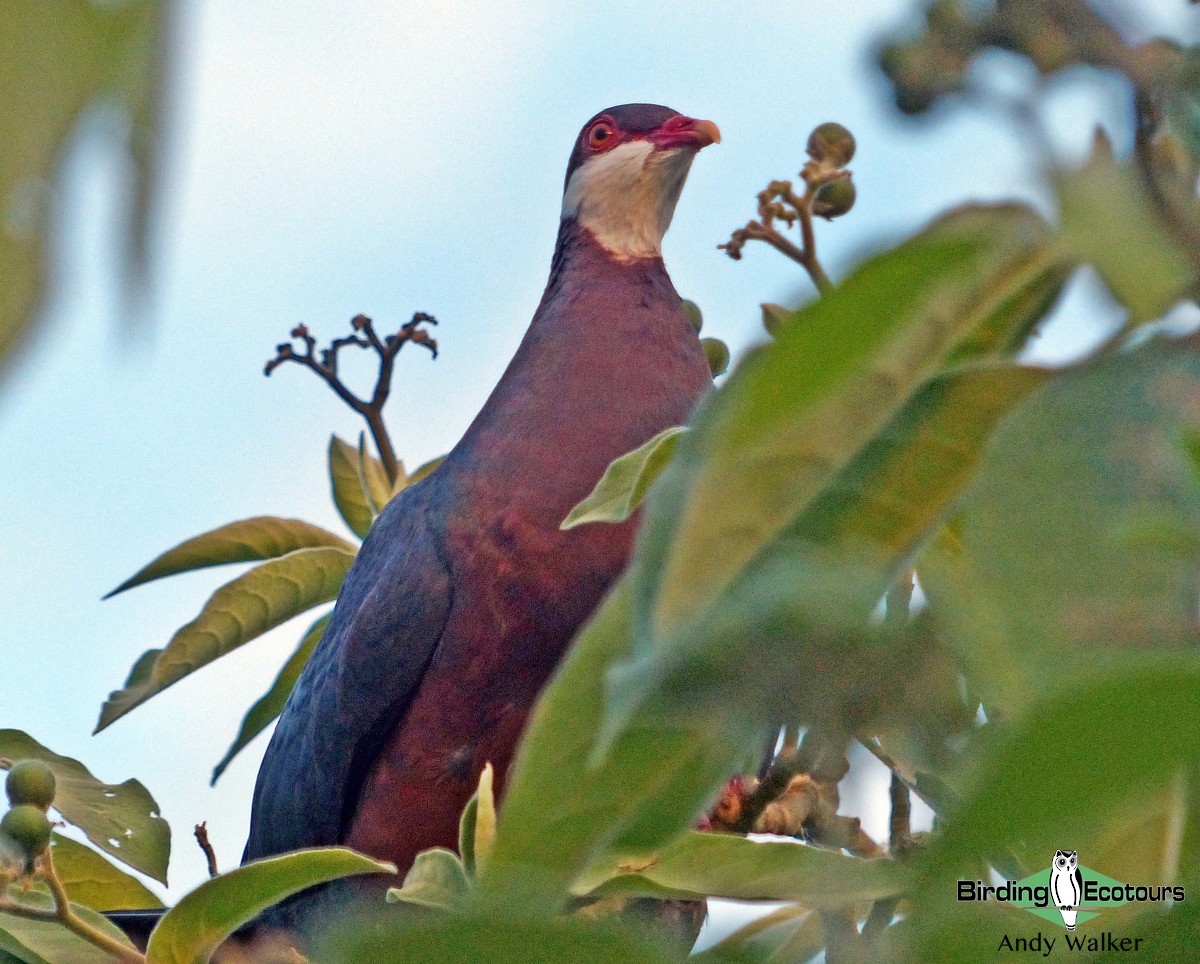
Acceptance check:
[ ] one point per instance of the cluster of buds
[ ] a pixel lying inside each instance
(1052, 34)
(829, 193)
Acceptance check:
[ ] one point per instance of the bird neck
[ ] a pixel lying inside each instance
(609, 360)
(577, 252)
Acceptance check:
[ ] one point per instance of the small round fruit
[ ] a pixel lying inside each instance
(718, 355)
(692, 310)
(28, 827)
(835, 198)
(833, 143)
(30, 781)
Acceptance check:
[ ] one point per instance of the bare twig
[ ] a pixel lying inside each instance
(365, 336)
(842, 943)
(210, 855)
(900, 826)
(899, 843)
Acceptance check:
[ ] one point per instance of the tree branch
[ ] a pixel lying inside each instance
(66, 916)
(386, 349)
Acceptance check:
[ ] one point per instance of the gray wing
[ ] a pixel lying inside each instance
(360, 679)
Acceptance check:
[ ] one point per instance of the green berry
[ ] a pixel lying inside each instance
(30, 781)
(835, 198)
(718, 355)
(833, 143)
(692, 310)
(28, 827)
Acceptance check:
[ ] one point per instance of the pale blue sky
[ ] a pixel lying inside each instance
(387, 157)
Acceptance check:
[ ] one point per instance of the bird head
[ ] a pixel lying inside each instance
(626, 172)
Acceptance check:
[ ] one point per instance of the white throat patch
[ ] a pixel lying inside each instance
(627, 197)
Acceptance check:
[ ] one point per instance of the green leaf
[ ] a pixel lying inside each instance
(427, 469)
(94, 882)
(12, 951)
(192, 930)
(259, 600)
(437, 879)
(372, 476)
(348, 493)
(792, 933)
(722, 865)
(625, 482)
(1048, 555)
(903, 483)
(1134, 711)
(485, 820)
(798, 410)
(38, 941)
(502, 938)
(466, 835)
(60, 60)
(121, 819)
(263, 537)
(782, 612)
(1110, 220)
(271, 703)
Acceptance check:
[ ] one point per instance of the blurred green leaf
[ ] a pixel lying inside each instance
(349, 494)
(503, 938)
(800, 609)
(271, 703)
(1109, 220)
(902, 484)
(1040, 561)
(797, 410)
(466, 835)
(372, 477)
(12, 951)
(1093, 714)
(436, 879)
(48, 942)
(260, 600)
(427, 468)
(121, 819)
(61, 58)
(625, 482)
(724, 865)
(485, 820)
(791, 934)
(94, 882)
(192, 930)
(250, 540)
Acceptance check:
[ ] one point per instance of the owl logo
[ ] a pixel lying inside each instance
(1066, 885)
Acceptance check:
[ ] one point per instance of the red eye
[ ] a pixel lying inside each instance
(600, 135)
